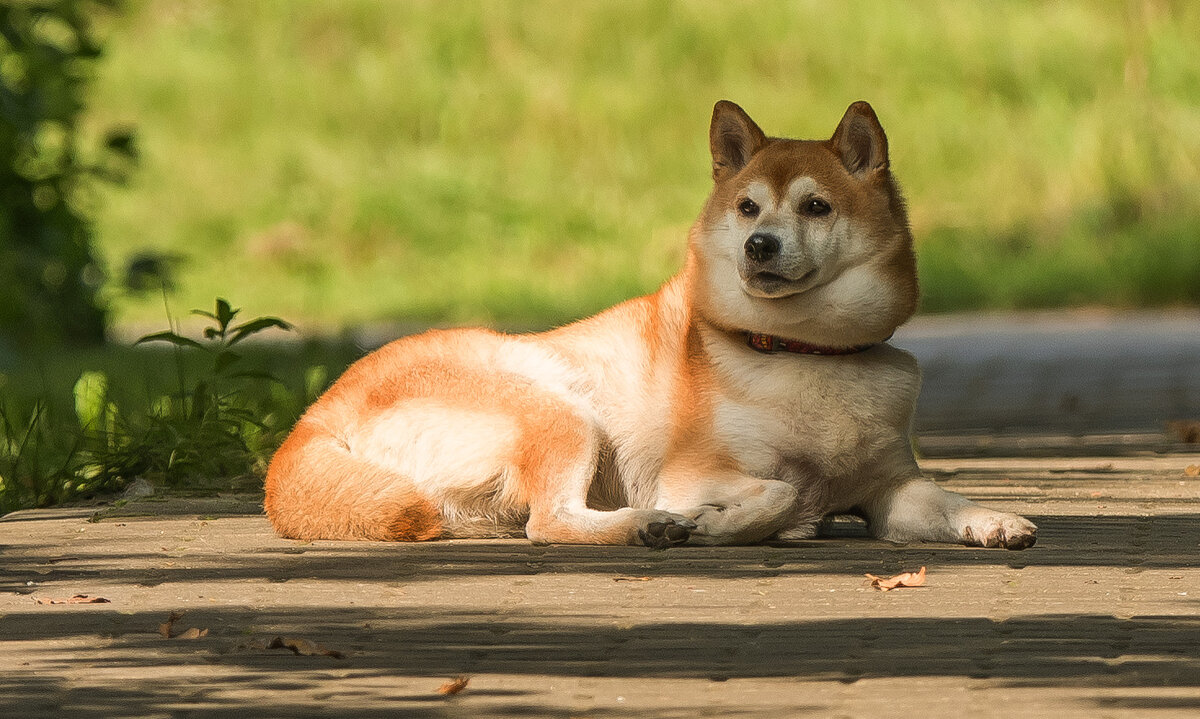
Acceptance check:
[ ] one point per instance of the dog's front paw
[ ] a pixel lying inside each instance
(997, 529)
(668, 531)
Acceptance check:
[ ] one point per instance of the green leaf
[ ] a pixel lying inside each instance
(316, 378)
(256, 374)
(110, 424)
(254, 326)
(223, 359)
(225, 313)
(91, 390)
(161, 406)
(201, 400)
(244, 416)
(172, 338)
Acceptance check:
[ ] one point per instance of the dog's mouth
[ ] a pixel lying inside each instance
(768, 285)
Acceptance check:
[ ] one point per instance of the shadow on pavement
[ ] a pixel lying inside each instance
(1152, 652)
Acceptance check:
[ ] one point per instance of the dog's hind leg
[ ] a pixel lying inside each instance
(557, 463)
(919, 510)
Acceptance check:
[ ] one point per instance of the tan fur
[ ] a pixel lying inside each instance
(654, 422)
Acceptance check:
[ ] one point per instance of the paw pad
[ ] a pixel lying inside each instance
(660, 535)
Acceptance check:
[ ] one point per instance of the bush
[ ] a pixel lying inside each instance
(49, 276)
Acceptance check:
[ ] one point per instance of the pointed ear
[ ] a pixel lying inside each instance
(859, 140)
(733, 139)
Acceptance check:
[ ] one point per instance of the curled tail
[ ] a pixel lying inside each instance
(317, 488)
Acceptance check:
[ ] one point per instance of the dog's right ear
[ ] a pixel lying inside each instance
(733, 139)
(859, 140)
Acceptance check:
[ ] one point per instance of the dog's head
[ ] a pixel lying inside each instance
(807, 239)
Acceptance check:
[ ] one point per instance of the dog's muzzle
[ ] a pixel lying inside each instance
(762, 247)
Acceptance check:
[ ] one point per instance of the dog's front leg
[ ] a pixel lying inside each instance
(918, 510)
(728, 508)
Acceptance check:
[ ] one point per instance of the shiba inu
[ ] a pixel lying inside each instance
(750, 396)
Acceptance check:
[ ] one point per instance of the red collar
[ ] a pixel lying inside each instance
(768, 344)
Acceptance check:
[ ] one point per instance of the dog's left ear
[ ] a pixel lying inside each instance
(859, 140)
(733, 139)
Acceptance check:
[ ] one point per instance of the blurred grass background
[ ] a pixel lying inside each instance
(526, 163)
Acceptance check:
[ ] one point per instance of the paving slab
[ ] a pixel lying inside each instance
(1079, 382)
(1100, 619)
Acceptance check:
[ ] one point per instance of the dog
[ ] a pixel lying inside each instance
(751, 396)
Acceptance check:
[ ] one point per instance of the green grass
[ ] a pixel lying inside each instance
(77, 424)
(531, 162)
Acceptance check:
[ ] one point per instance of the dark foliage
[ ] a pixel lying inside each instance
(49, 275)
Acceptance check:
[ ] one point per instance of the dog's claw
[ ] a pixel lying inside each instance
(677, 533)
(1017, 533)
(661, 535)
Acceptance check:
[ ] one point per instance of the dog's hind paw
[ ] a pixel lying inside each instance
(803, 530)
(667, 533)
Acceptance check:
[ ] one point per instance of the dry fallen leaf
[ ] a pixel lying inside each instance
(907, 579)
(1185, 430)
(1192, 470)
(304, 647)
(631, 579)
(165, 628)
(77, 599)
(454, 686)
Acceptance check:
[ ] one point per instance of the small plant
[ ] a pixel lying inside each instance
(214, 430)
(211, 431)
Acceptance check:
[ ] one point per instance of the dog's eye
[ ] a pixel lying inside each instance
(815, 207)
(748, 208)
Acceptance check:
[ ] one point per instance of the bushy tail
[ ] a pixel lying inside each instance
(318, 489)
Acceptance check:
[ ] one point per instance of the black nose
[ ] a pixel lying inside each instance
(762, 247)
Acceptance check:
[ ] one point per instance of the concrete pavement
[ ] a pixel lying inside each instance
(1101, 618)
(1080, 382)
